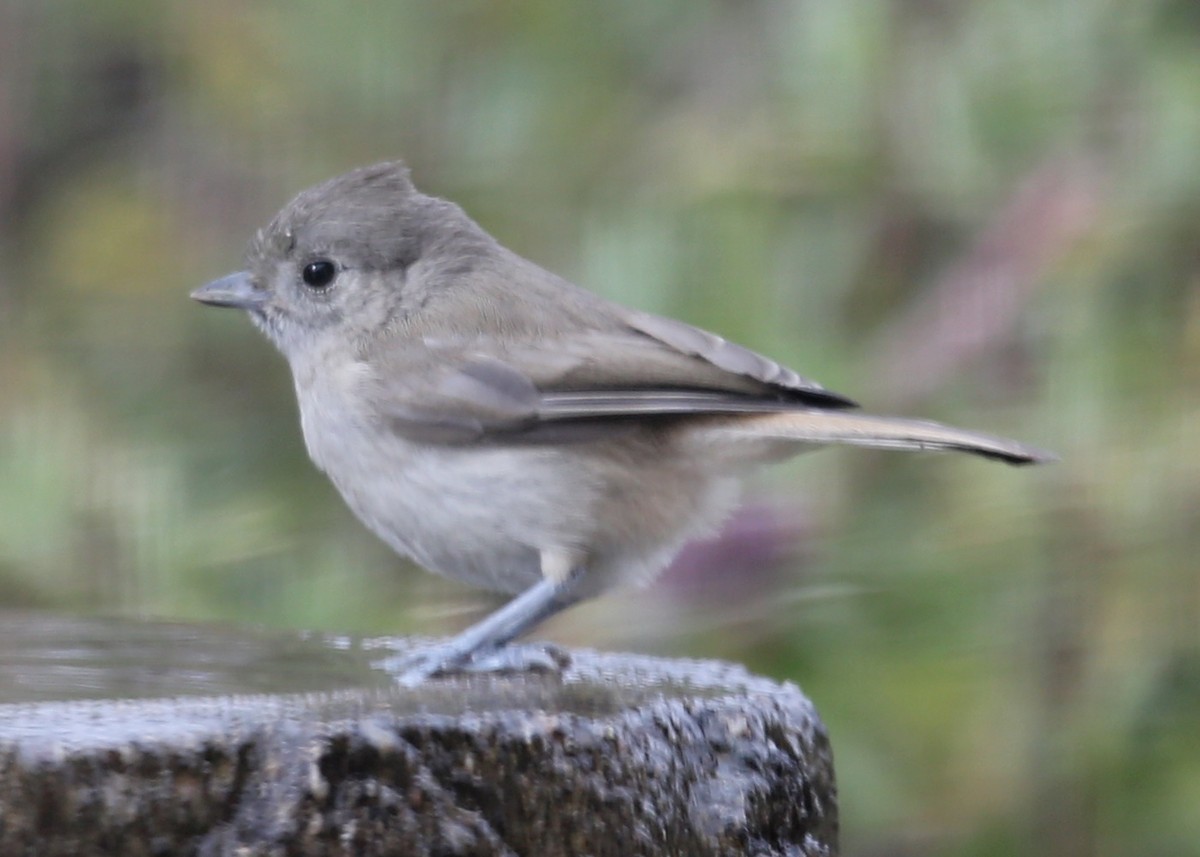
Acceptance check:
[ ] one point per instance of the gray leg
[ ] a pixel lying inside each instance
(481, 646)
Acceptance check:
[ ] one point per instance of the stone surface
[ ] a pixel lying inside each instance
(620, 755)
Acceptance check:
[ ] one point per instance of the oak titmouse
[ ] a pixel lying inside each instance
(506, 428)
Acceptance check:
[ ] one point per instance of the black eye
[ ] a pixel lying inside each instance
(319, 274)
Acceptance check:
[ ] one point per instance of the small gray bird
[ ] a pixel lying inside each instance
(506, 428)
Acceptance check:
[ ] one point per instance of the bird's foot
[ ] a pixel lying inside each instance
(444, 659)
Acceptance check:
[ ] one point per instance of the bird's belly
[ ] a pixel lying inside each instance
(481, 516)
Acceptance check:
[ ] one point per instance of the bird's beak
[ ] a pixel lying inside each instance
(233, 290)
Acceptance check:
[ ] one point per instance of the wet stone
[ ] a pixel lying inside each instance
(142, 739)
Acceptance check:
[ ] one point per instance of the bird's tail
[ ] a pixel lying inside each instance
(780, 432)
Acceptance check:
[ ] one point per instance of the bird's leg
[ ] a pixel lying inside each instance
(483, 646)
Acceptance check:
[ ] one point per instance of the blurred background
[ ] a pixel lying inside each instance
(981, 212)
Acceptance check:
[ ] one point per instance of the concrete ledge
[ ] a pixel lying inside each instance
(621, 755)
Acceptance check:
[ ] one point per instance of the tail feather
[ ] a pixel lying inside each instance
(819, 427)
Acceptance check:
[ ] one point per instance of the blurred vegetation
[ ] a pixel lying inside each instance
(984, 212)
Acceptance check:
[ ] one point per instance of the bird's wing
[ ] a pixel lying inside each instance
(694, 352)
(447, 395)
(594, 380)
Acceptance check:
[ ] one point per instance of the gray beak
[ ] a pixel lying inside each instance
(233, 290)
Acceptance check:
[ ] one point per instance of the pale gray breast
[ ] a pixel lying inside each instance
(476, 513)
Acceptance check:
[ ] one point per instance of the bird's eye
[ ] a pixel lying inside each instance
(319, 274)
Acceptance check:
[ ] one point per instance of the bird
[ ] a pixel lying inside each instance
(506, 428)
